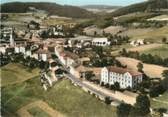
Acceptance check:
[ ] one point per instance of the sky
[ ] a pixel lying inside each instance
(83, 2)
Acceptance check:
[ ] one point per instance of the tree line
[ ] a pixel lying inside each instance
(145, 58)
(29, 62)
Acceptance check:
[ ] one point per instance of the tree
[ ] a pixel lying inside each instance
(142, 105)
(54, 56)
(123, 110)
(165, 80)
(161, 111)
(165, 74)
(156, 90)
(164, 40)
(116, 86)
(124, 52)
(89, 75)
(140, 67)
(102, 84)
(107, 100)
(95, 33)
(41, 64)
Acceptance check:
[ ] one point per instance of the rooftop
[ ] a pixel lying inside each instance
(123, 70)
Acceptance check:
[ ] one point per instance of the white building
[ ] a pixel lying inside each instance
(137, 42)
(100, 42)
(20, 49)
(28, 53)
(125, 77)
(42, 54)
(2, 49)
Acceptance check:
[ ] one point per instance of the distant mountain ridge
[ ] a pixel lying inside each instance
(100, 7)
(151, 5)
(51, 8)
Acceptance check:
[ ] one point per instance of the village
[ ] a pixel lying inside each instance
(110, 81)
(79, 61)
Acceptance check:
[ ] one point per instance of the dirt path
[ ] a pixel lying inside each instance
(42, 105)
(153, 71)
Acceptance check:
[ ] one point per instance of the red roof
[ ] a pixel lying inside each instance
(123, 70)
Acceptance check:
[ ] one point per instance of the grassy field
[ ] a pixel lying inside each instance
(62, 21)
(149, 34)
(13, 73)
(160, 51)
(156, 35)
(134, 16)
(63, 97)
(37, 112)
(160, 102)
(159, 18)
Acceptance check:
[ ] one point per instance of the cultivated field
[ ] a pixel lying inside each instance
(149, 34)
(145, 47)
(38, 109)
(155, 35)
(19, 20)
(153, 71)
(141, 49)
(161, 51)
(15, 73)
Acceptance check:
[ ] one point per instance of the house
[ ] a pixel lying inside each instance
(100, 42)
(69, 58)
(84, 60)
(7, 35)
(20, 49)
(126, 78)
(137, 42)
(28, 53)
(42, 54)
(3, 49)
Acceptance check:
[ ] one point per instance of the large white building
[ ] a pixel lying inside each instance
(100, 42)
(126, 78)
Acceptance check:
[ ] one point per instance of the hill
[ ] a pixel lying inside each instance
(51, 8)
(100, 7)
(150, 5)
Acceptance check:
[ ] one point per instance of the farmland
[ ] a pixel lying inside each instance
(160, 51)
(63, 97)
(14, 73)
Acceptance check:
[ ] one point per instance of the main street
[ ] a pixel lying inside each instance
(90, 89)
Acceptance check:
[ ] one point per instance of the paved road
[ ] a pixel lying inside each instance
(81, 84)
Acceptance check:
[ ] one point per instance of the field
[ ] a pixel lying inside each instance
(129, 47)
(37, 112)
(149, 34)
(159, 18)
(155, 35)
(20, 20)
(64, 97)
(14, 73)
(154, 71)
(62, 21)
(160, 102)
(134, 17)
(161, 51)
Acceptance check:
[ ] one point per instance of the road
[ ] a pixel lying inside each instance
(78, 82)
